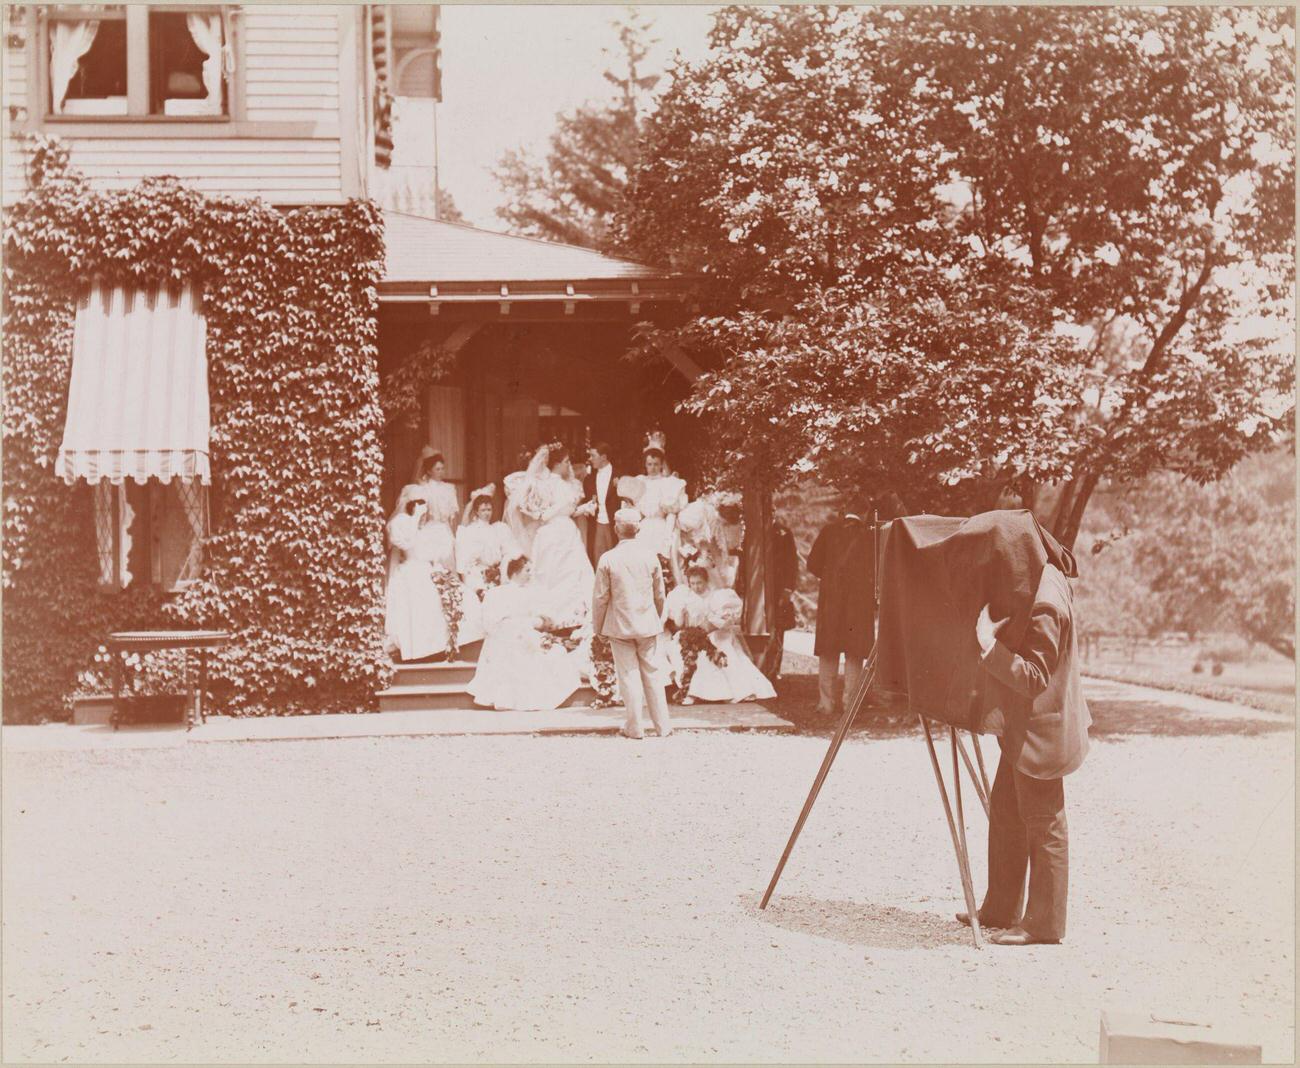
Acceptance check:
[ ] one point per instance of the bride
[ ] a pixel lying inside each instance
(563, 573)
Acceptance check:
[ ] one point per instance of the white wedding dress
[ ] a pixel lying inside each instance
(515, 671)
(562, 572)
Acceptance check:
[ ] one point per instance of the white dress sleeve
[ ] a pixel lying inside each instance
(503, 547)
(675, 605)
(401, 531)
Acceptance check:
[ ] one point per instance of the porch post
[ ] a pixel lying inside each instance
(756, 552)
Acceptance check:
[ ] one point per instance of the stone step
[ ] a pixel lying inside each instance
(436, 674)
(451, 695)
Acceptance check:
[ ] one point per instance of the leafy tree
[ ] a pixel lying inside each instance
(573, 195)
(981, 248)
(1196, 558)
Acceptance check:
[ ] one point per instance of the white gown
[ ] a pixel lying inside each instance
(443, 508)
(663, 498)
(562, 571)
(413, 617)
(514, 670)
(739, 679)
(480, 546)
(523, 506)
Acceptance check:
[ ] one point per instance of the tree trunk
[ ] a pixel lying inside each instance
(1068, 514)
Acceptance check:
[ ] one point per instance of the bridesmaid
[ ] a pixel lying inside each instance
(413, 617)
(482, 547)
(444, 509)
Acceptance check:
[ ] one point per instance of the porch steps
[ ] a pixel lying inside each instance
(443, 685)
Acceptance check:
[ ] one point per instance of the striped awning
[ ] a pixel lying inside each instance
(138, 399)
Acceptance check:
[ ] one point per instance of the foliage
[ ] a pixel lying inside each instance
(573, 195)
(294, 564)
(1108, 189)
(1195, 558)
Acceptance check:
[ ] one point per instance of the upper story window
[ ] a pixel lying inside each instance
(138, 60)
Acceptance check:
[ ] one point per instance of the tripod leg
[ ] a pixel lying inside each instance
(979, 758)
(846, 721)
(970, 770)
(962, 861)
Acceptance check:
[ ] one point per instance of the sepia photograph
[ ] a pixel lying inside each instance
(656, 534)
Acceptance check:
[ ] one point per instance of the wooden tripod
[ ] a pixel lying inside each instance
(956, 827)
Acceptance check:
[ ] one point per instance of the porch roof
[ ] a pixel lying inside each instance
(431, 260)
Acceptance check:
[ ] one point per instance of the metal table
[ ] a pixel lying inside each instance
(143, 641)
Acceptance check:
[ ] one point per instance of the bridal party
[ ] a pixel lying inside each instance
(591, 575)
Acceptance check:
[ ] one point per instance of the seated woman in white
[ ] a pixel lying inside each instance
(689, 650)
(517, 670)
(413, 616)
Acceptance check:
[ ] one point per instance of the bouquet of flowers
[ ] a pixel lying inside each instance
(491, 577)
(566, 640)
(694, 641)
(449, 592)
(604, 680)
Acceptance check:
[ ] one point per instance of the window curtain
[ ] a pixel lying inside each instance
(113, 518)
(69, 41)
(206, 31)
(194, 502)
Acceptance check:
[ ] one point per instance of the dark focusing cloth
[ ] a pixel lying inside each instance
(936, 575)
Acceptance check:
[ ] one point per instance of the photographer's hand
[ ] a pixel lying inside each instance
(985, 633)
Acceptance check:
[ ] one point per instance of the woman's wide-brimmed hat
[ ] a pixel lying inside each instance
(630, 488)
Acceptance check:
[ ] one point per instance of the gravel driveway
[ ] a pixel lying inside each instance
(595, 899)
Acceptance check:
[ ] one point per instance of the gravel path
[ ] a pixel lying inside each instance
(595, 899)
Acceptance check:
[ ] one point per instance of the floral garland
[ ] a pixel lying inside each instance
(453, 610)
(604, 679)
(665, 566)
(565, 639)
(491, 579)
(693, 641)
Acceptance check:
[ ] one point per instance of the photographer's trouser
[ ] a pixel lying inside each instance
(828, 668)
(1027, 830)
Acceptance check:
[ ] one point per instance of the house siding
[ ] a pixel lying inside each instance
(285, 142)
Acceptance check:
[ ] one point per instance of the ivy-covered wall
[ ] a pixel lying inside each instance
(294, 566)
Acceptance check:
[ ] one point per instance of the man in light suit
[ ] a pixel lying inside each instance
(627, 608)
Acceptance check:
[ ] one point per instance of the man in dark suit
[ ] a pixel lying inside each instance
(599, 488)
(1045, 737)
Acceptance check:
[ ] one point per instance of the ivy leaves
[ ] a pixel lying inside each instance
(294, 565)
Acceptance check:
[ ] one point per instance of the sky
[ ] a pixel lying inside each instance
(507, 71)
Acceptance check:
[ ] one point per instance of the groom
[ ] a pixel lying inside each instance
(627, 608)
(600, 487)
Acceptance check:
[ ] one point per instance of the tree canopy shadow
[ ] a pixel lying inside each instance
(1112, 717)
